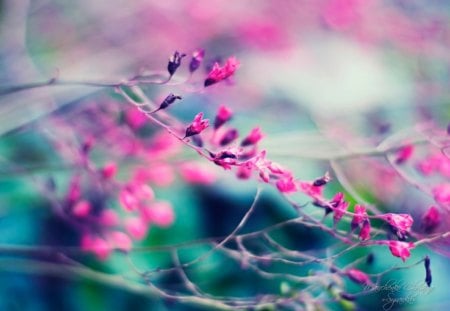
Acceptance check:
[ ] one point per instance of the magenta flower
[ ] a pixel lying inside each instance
(364, 233)
(359, 216)
(441, 193)
(218, 73)
(197, 126)
(400, 222)
(358, 276)
(223, 115)
(253, 138)
(339, 207)
(81, 209)
(120, 241)
(404, 154)
(286, 185)
(431, 219)
(400, 249)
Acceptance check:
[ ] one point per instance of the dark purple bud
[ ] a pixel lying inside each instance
(209, 81)
(370, 259)
(322, 180)
(226, 155)
(347, 296)
(229, 136)
(428, 277)
(197, 58)
(174, 62)
(169, 100)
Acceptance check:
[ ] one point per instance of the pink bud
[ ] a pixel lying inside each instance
(81, 209)
(136, 228)
(400, 249)
(364, 233)
(120, 241)
(197, 173)
(286, 185)
(401, 222)
(135, 118)
(159, 213)
(128, 199)
(218, 73)
(109, 170)
(97, 245)
(404, 154)
(253, 138)
(359, 216)
(109, 218)
(441, 193)
(431, 219)
(223, 115)
(358, 276)
(197, 126)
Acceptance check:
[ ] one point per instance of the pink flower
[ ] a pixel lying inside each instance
(197, 126)
(441, 193)
(133, 194)
(135, 118)
(196, 173)
(431, 219)
(136, 228)
(359, 216)
(253, 138)
(223, 115)
(404, 154)
(109, 170)
(358, 276)
(286, 185)
(339, 211)
(400, 249)
(401, 222)
(160, 213)
(81, 209)
(109, 218)
(310, 190)
(120, 241)
(364, 233)
(218, 73)
(97, 245)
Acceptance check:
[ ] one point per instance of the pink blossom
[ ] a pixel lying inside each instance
(441, 193)
(286, 185)
(136, 228)
(364, 233)
(97, 245)
(310, 190)
(133, 194)
(360, 215)
(120, 240)
(358, 276)
(400, 249)
(196, 173)
(109, 218)
(223, 115)
(401, 222)
(109, 170)
(81, 209)
(339, 211)
(244, 172)
(135, 118)
(160, 174)
(218, 73)
(197, 126)
(159, 213)
(431, 219)
(128, 199)
(404, 154)
(253, 138)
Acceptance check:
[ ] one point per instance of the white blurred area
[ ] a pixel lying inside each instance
(333, 75)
